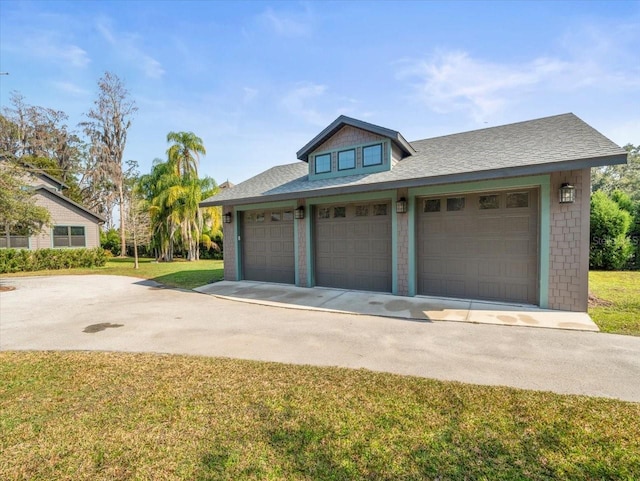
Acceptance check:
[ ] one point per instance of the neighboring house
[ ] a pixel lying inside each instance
(473, 215)
(72, 225)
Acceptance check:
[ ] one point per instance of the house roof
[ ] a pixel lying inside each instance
(42, 174)
(333, 127)
(550, 144)
(74, 205)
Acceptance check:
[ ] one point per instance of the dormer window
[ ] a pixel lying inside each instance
(372, 155)
(347, 159)
(323, 163)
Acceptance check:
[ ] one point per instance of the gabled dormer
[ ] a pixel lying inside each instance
(350, 147)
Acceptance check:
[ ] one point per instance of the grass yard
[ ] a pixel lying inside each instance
(617, 305)
(178, 273)
(109, 416)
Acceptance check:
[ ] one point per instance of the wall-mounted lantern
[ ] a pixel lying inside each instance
(226, 218)
(567, 193)
(299, 213)
(401, 206)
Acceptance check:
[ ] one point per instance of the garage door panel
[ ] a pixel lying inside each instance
(267, 246)
(354, 251)
(488, 249)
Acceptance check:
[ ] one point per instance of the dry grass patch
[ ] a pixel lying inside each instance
(107, 416)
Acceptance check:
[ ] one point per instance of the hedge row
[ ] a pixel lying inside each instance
(22, 260)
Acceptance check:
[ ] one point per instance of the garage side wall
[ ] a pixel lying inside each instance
(403, 246)
(301, 224)
(569, 243)
(230, 242)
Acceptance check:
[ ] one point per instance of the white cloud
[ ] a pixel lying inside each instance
(451, 81)
(249, 94)
(299, 102)
(47, 46)
(590, 59)
(126, 45)
(71, 88)
(288, 24)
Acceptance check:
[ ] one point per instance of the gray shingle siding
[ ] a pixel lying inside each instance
(551, 144)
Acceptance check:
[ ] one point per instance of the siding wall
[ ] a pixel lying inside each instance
(302, 245)
(230, 242)
(348, 136)
(403, 247)
(569, 243)
(61, 214)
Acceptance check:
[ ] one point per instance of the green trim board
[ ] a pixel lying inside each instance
(541, 181)
(350, 198)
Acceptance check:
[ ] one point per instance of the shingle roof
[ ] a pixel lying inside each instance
(561, 142)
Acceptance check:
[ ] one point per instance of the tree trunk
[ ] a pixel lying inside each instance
(123, 241)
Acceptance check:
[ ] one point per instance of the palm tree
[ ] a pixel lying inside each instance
(184, 153)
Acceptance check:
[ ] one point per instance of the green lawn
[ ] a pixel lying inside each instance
(617, 307)
(110, 416)
(178, 273)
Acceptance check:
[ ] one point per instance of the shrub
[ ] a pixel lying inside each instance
(22, 260)
(110, 240)
(610, 249)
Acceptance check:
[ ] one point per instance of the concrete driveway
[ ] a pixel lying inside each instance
(125, 314)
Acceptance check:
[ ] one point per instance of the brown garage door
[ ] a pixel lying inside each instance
(479, 246)
(353, 246)
(267, 246)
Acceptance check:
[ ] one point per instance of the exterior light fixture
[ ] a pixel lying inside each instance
(567, 193)
(401, 206)
(299, 213)
(226, 218)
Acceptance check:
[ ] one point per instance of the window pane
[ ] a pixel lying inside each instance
(77, 241)
(19, 241)
(324, 213)
(288, 215)
(347, 160)
(455, 203)
(372, 155)
(275, 216)
(431, 205)
(517, 199)
(339, 212)
(380, 209)
(77, 230)
(250, 218)
(61, 230)
(60, 241)
(323, 163)
(489, 202)
(362, 210)
(260, 217)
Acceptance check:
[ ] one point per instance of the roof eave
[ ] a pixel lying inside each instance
(519, 171)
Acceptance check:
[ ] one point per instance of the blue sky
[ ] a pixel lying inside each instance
(257, 80)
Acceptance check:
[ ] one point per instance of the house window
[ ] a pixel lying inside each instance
(339, 212)
(489, 202)
(323, 163)
(362, 210)
(517, 199)
(455, 204)
(372, 155)
(379, 209)
(14, 241)
(347, 159)
(69, 236)
(431, 205)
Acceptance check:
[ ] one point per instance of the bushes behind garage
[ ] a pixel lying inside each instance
(22, 260)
